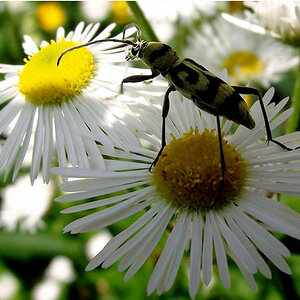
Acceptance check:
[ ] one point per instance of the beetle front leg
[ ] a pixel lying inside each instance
(252, 91)
(137, 78)
(165, 111)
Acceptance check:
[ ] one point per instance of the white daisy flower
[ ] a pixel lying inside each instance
(95, 10)
(25, 205)
(281, 19)
(67, 104)
(163, 14)
(182, 192)
(248, 57)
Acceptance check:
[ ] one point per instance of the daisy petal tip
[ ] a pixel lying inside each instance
(91, 266)
(59, 199)
(268, 274)
(287, 270)
(193, 293)
(67, 229)
(65, 211)
(150, 290)
(127, 277)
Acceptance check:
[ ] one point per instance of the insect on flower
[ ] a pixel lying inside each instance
(206, 90)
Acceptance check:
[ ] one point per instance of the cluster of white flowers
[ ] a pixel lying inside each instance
(249, 57)
(105, 143)
(280, 19)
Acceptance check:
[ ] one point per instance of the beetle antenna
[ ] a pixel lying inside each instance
(128, 42)
(139, 31)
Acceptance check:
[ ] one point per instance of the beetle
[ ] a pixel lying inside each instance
(193, 81)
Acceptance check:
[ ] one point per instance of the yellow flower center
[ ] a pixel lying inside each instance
(43, 82)
(188, 174)
(50, 15)
(242, 64)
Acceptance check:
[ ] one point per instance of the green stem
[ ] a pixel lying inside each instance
(141, 20)
(293, 122)
(25, 246)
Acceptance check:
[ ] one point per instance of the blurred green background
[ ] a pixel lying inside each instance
(38, 261)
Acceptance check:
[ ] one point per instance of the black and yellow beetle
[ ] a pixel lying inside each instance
(207, 91)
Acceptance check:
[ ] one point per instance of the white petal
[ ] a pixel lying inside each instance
(119, 182)
(273, 213)
(8, 113)
(261, 264)
(235, 245)
(14, 140)
(133, 242)
(88, 33)
(164, 259)
(68, 137)
(119, 239)
(37, 146)
(77, 32)
(60, 143)
(282, 156)
(90, 119)
(100, 203)
(271, 247)
(24, 146)
(177, 256)
(196, 253)
(150, 245)
(60, 33)
(48, 141)
(29, 46)
(286, 188)
(94, 193)
(247, 275)
(220, 252)
(207, 253)
(94, 153)
(109, 215)
(106, 32)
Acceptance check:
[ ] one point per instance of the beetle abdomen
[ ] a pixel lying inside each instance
(208, 91)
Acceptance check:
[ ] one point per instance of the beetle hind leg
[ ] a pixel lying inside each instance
(223, 164)
(252, 91)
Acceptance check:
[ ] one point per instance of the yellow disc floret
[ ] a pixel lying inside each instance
(42, 82)
(243, 64)
(189, 175)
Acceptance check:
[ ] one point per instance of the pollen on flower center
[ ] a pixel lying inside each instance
(241, 64)
(188, 174)
(41, 81)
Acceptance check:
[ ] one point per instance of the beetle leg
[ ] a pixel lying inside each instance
(223, 164)
(165, 111)
(252, 91)
(137, 78)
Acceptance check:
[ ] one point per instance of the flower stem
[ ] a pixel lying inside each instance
(293, 122)
(142, 21)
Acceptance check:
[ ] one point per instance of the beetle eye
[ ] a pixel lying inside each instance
(134, 51)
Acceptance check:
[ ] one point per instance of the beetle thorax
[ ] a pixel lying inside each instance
(159, 57)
